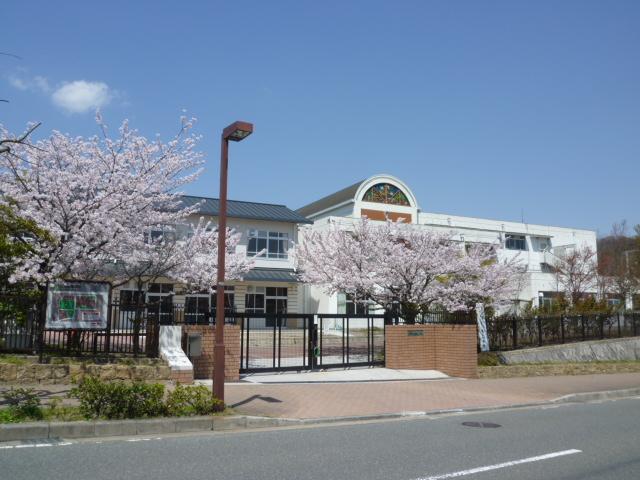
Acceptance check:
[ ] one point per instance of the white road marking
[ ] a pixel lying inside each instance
(35, 445)
(497, 466)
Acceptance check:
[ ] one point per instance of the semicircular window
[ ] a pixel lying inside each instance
(386, 193)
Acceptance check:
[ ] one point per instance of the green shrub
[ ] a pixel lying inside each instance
(488, 359)
(196, 400)
(7, 416)
(23, 404)
(117, 400)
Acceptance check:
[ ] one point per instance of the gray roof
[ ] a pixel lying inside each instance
(330, 200)
(250, 210)
(271, 275)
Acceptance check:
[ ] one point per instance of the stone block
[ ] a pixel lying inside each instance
(59, 372)
(154, 426)
(108, 372)
(8, 372)
(23, 431)
(26, 373)
(114, 428)
(122, 372)
(76, 372)
(194, 424)
(71, 429)
(229, 423)
(43, 372)
(262, 422)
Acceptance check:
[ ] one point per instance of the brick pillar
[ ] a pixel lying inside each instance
(203, 364)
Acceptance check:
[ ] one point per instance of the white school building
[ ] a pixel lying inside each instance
(273, 286)
(384, 196)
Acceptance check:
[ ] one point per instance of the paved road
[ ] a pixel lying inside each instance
(588, 441)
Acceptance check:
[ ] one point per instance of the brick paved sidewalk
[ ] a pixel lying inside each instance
(335, 400)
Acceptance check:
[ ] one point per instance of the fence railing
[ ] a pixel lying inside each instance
(509, 333)
(130, 330)
(438, 317)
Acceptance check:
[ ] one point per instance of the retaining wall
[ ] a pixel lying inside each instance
(597, 350)
(65, 373)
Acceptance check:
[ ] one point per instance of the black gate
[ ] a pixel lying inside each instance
(279, 342)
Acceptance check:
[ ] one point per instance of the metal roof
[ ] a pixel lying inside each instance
(271, 275)
(250, 210)
(330, 200)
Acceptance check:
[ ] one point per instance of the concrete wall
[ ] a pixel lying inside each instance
(203, 364)
(452, 349)
(599, 350)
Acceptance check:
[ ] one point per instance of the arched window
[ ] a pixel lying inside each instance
(386, 193)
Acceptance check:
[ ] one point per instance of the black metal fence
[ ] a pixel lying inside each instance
(441, 316)
(289, 341)
(509, 333)
(131, 330)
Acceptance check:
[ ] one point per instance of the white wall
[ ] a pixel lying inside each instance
(243, 226)
(464, 229)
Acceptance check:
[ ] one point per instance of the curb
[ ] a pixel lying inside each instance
(594, 396)
(157, 426)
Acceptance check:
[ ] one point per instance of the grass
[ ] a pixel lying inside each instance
(14, 359)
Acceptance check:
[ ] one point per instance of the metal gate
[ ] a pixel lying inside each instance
(279, 342)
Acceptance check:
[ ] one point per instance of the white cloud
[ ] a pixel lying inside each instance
(80, 96)
(36, 83)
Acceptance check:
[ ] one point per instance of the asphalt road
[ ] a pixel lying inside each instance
(587, 441)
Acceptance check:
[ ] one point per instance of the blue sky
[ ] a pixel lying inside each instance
(486, 109)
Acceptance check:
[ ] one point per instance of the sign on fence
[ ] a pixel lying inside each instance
(482, 328)
(77, 305)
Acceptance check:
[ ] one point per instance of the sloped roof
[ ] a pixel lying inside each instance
(271, 275)
(330, 200)
(249, 210)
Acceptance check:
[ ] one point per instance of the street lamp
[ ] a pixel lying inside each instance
(235, 132)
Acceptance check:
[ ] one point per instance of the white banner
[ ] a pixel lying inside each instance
(482, 328)
(77, 305)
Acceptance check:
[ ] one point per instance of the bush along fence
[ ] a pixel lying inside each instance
(510, 333)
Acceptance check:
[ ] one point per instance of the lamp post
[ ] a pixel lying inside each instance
(235, 132)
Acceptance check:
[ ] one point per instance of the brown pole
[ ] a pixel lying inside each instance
(218, 351)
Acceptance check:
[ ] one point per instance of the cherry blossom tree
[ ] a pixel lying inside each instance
(576, 272)
(408, 265)
(100, 199)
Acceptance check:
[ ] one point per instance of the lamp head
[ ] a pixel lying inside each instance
(237, 131)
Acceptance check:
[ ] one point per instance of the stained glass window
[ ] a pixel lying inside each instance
(386, 193)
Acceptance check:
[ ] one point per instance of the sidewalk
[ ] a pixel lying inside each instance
(354, 399)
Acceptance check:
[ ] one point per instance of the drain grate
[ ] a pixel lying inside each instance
(481, 424)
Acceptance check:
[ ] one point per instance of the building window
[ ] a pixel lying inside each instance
(160, 302)
(229, 299)
(386, 193)
(254, 300)
(275, 244)
(129, 299)
(349, 305)
(161, 234)
(541, 244)
(546, 268)
(276, 300)
(515, 242)
(547, 300)
(197, 308)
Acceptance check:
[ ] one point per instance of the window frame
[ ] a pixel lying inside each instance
(515, 237)
(259, 240)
